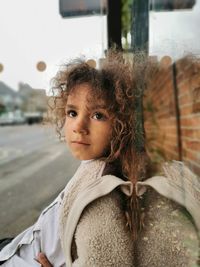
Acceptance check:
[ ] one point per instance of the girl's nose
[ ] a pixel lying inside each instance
(80, 126)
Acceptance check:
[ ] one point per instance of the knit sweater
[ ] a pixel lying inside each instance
(93, 227)
(170, 235)
(92, 216)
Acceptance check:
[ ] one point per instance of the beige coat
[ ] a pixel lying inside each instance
(93, 228)
(92, 214)
(170, 237)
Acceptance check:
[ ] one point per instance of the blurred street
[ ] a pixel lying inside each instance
(34, 167)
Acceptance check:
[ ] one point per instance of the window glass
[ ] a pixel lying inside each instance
(34, 165)
(35, 39)
(174, 28)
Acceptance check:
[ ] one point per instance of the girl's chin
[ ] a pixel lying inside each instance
(83, 157)
(86, 157)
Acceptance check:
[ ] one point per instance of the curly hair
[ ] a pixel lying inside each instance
(119, 82)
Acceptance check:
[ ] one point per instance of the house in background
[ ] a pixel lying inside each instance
(25, 105)
(10, 100)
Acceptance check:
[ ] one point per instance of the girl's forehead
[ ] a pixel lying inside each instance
(85, 94)
(81, 89)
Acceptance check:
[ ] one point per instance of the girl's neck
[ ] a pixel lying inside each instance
(87, 160)
(113, 168)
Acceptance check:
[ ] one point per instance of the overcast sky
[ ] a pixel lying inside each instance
(33, 30)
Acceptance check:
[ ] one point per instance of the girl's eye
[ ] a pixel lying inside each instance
(99, 116)
(71, 113)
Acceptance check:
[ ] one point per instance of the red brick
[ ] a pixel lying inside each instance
(183, 87)
(185, 99)
(190, 121)
(191, 133)
(195, 81)
(196, 100)
(160, 125)
(192, 145)
(194, 156)
(186, 110)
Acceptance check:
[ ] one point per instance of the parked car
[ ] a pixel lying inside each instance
(12, 117)
(33, 117)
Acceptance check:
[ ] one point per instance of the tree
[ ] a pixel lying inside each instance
(126, 19)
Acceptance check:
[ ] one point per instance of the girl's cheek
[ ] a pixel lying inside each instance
(66, 131)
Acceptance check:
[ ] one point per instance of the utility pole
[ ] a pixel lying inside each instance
(140, 25)
(140, 42)
(114, 23)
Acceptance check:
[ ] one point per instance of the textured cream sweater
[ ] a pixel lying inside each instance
(92, 215)
(93, 228)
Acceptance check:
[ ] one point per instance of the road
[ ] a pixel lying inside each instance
(34, 167)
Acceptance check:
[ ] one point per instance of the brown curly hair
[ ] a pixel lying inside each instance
(119, 82)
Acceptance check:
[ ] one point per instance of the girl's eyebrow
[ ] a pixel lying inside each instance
(71, 106)
(98, 106)
(90, 107)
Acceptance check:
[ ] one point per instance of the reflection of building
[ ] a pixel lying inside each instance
(26, 99)
(2, 107)
(33, 100)
(9, 99)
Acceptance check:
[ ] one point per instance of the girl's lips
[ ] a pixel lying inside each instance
(80, 143)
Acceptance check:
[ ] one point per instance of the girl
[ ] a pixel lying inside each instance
(99, 217)
(100, 214)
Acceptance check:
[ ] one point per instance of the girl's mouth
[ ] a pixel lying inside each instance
(80, 143)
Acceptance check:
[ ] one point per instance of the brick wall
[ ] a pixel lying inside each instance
(172, 112)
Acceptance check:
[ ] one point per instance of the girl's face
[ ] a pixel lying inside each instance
(87, 125)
